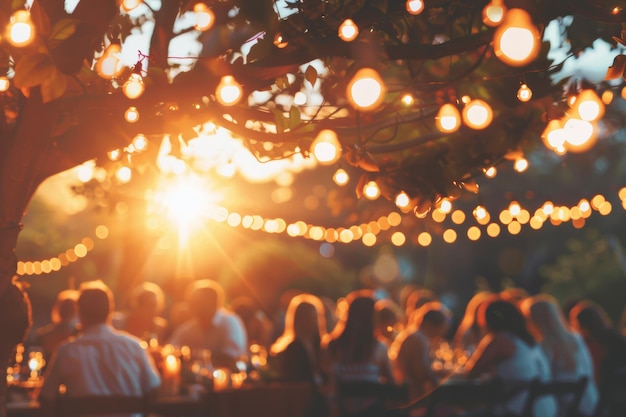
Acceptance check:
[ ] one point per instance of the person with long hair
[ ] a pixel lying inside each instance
(469, 333)
(297, 352)
(354, 354)
(510, 353)
(607, 347)
(566, 351)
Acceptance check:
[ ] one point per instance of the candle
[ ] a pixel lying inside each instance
(220, 379)
(171, 375)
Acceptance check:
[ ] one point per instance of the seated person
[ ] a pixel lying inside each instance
(64, 324)
(102, 360)
(411, 350)
(510, 353)
(212, 327)
(143, 319)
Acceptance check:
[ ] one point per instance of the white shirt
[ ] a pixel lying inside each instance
(227, 335)
(102, 361)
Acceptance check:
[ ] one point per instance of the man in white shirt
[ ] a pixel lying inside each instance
(101, 361)
(213, 327)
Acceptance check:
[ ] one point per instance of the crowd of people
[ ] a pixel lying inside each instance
(413, 342)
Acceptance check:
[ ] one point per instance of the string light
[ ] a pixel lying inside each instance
(366, 90)
(448, 118)
(493, 13)
(4, 84)
(21, 31)
(415, 7)
(205, 18)
(524, 93)
(348, 30)
(228, 91)
(516, 40)
(134, 87)
(477, 114)
(326, 147)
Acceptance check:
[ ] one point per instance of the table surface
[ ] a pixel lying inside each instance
(271, 399)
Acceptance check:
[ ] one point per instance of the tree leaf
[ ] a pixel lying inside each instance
(617, 69)
(294, 117)
(63, 29)
(54, 86)
(310, 74)
(281, 121)
(40, 19)
(33, 69)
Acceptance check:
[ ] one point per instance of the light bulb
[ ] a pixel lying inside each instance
(516, 41)
(140, 143)
(341, 177)
(228, 91)
(131, 115)
(348, 30)
(134, 86)
(479, 212)
(326, 147)
(588, 106)
(205, 18)
(109, 65)
(279, 41)
(128, 5)
(514, 208)
(521, 164)
(580, 135)
(477, 114)
(366, 90)
(524, 93)
(490, 172)
(4, 84)
(493, 13)
(20, 31)
(415, 7)
(448, 118)
(402, 200)
(553, 135)
(371, 190)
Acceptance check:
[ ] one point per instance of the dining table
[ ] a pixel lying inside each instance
(275, 399)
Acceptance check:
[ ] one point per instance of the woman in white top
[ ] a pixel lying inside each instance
(566, 351)
(509, 352)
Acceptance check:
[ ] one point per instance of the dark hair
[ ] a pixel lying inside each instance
(592, 317)
(356, 339)
(504, 316)
(95, 302)
(435, 317)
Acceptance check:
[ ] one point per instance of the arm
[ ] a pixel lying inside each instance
(491, 350)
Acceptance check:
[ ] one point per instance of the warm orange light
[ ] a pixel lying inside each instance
(516, 41)
(279, 41)
(371, 190)
(366, 90)
(493, 13)
(403, 200)
(341, 177)
(131, 115)
(4, 84)
(415, 7)
(348, 30)
(228, 91)
(128, 5)
(109, 65)
(326, 147)
(448, 118)
(477, 114)
(580, 135)
(553, 135)
(20, 31)
(134, 86)
(205, 18)
(490, 172)
(521, 164)
(588, 106)
(524, 93)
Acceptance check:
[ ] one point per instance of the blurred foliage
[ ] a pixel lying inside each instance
(592, 266)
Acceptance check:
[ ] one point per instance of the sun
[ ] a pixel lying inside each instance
(186, 202)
